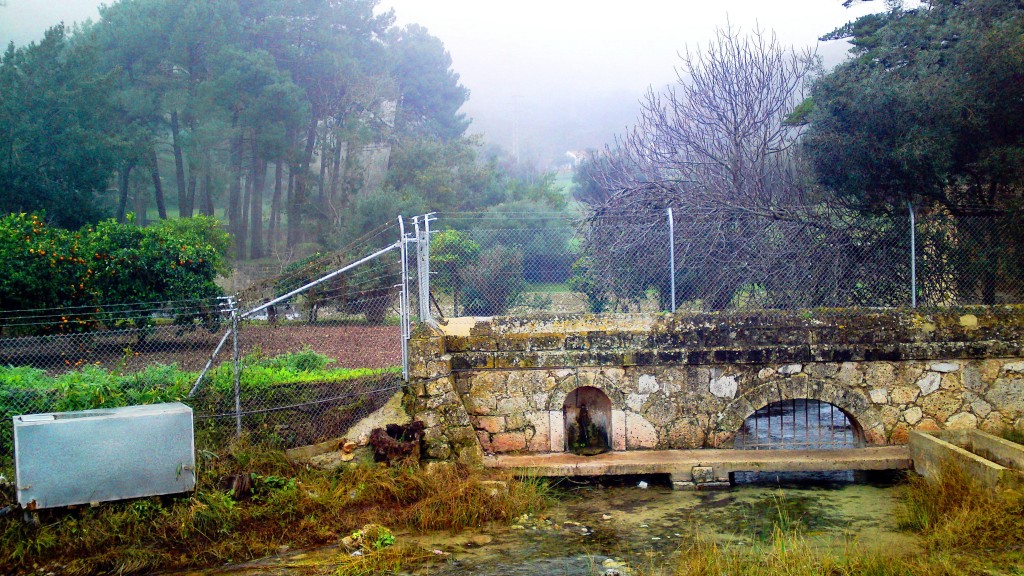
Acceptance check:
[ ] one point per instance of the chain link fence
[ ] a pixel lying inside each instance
(294, 359)
(660, 259)
(301, 356)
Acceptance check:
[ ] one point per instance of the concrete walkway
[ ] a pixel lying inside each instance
(698, 467)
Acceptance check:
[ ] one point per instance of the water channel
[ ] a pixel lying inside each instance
(640, 522)
(597, 526)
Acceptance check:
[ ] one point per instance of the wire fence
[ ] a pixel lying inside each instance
(302, 356)
(661, 260)
(296, 359)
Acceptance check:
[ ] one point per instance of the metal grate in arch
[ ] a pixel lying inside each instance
(799, 424)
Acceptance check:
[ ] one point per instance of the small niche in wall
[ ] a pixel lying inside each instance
(588, 421)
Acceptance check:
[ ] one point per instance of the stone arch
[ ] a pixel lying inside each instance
(799, 424)
(610, 384)
(855, 405)
(587, 417)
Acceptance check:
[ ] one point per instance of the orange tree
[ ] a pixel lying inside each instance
(106, 265)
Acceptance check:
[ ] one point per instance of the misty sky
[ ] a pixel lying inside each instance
(553, 74)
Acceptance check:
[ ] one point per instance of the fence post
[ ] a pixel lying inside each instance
(423, 267)
(672, 256)
(237, 367)
(403, 300)
(913, 256)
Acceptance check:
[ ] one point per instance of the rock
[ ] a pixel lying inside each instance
(724, 387)
(944, 367)
(606, 516)
(879, 395)
(765, 373)
(913, 415)
(349, 447)
(1014, 367)
(962, 421)
(929, 383)
(481, 539)
(1007, 395)
(648, 384)
(969, 321)
(790, 369)
(904, 394)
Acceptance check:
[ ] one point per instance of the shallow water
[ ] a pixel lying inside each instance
(598, 527)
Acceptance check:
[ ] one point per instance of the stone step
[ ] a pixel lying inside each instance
(706, 465)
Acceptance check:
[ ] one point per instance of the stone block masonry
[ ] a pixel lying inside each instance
(500, 385)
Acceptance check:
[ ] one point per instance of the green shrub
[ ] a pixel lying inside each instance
(494, 282)
(584, 280)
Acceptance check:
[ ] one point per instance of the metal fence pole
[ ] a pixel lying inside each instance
(672, 256)
(913, 256)
(237, 368)
(403, 300)
(423, 267)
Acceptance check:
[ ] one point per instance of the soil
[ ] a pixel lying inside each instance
(351, 346)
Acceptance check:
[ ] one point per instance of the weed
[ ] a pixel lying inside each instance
(1013, 434)
(290, 504)
(956, 512)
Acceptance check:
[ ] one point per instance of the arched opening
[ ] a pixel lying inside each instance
(587, 415)
(799, 424)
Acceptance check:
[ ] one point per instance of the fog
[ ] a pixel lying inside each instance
(546, 77)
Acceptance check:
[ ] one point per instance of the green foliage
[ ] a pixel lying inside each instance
(42, 266)
(583, 280)
(109, 264)
(927, 109)
(28, 390)
(171, 260)
(307, 360)
(494, 282)
(61, 138)
(928, 112)
(450, 252)
(431, 94)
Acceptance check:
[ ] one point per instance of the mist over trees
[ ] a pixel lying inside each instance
(293, 122)
(793, 185)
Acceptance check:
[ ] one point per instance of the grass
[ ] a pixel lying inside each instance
(547, 287)
(288, 504)
(956, 513)
(1013, 434)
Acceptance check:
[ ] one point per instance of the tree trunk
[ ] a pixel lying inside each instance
(322, 181)
(190, 197)
(243, 220)
(179, 166)
(125, 176)
(256, 207)
(299, 196)
(234, 208)
(158, 188)
(275, 206)
(207, 206)
(141, 207)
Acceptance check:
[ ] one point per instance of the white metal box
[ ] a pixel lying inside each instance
(67, 458)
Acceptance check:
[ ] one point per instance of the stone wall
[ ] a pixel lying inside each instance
(689, 381)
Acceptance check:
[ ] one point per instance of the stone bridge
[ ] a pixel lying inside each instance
(660, 381)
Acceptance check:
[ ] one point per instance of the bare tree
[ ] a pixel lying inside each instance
(719, 138)
(720, 148)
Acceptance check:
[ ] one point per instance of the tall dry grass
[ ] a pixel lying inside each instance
(956, 513)
(288, 505)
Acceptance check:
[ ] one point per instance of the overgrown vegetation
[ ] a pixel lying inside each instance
(25, 390)
(288, 504)
(104, 273)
